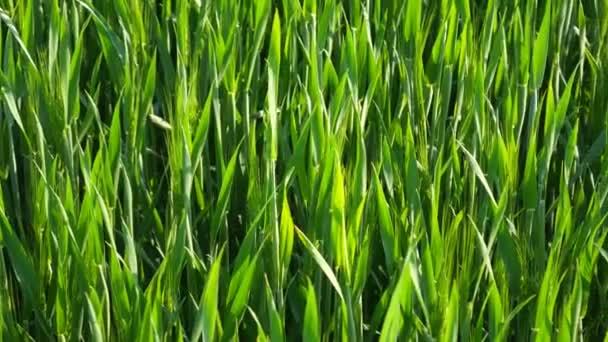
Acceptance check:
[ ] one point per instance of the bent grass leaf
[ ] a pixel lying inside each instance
(21, 263)
(479, 173)
(318, 257)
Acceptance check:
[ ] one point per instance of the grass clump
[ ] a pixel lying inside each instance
(316, 170)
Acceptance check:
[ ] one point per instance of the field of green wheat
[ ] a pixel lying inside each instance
(303, 170)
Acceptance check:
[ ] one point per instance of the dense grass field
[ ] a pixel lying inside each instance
(428, 170)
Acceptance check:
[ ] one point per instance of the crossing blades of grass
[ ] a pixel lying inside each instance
(441, 165)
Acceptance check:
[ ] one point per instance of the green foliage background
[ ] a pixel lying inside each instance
(318, 170)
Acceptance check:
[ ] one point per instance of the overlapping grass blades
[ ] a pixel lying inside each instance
(315, 170)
